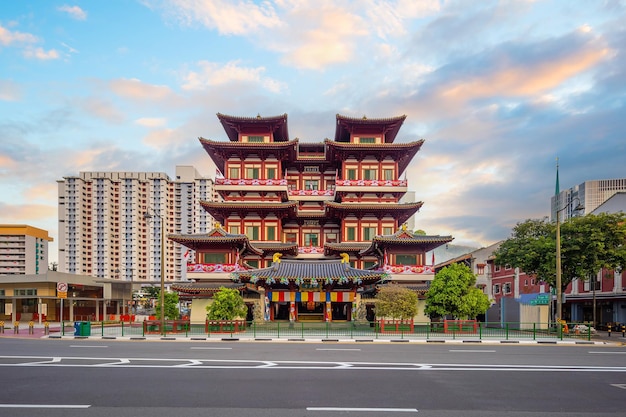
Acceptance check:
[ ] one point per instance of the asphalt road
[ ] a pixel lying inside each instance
(111, 378)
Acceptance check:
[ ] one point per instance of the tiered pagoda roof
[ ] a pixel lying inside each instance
(403, 153)
(401, 211)
(221, 210)
(234, 125)
(389, 127)
(217, 238)
(404, 239)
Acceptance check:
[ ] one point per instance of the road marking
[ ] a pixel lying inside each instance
(472, 350)
(397, 410)
(339, 349)
(89, 346)
(609, 353)
(211, 348)
(44, 406)
(622, 386)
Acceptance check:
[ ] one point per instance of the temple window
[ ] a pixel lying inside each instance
(213, 258)
(387, 230)
(388, 174)
(310, 239)
(351, 233)
(368, 264)
(351, 174)
(233, 229)
(253, 263)
(331, 237)
(252, 173)
(367, 140)
(233, 173)
(255, 139)
(406, 260)
(252, 232)
(270, 233)
(291, 237)
(270, 173)
(370, 174)
(311, 184)
(369, 233)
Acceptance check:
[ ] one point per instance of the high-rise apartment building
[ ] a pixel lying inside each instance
(23, 250)
(110, 222)
(590, 194)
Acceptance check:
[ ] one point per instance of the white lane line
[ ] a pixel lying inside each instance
(472, 350)
(89, 346)
(609, 353)
(622, 386)
(44, 406)
(339, 349)
(211, 348)
(397, 410)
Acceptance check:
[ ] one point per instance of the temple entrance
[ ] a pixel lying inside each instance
(281, 310)
(341, 311)
(310, 311)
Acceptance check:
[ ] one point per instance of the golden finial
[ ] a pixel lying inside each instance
(276, 257)
(345, 258)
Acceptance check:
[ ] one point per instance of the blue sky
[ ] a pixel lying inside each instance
(497, 89)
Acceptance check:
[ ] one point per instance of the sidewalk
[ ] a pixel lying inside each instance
(54, 332)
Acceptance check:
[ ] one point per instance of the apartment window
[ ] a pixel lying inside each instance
(351, 174)
(525, 283)
(367, 140)
(25, 291)
(255, 139)
(497, 269)
(388, 174)
(233, 173)
(496, 288)
(311, 185)
(252, 173)
(311, 239)
(271, 173)
(252, 232)
(506, 288)
(270, 233)
(369, 233)
(370, 174)
(351, 233)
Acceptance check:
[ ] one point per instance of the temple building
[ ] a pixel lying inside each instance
(308, 230)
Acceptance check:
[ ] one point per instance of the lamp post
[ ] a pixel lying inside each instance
(147, 216)
(559, 296)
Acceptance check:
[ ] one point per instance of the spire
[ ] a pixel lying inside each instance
(557, 191)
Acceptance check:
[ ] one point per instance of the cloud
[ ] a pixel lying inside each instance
(27, 213)
(10, 91)
(74, 11)
(227, 17)
(8, 37)
(137, 90)
(151, 121)
(40, 53)
(211, 74)
(102, 109)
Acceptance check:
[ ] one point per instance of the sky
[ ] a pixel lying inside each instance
(498, 90)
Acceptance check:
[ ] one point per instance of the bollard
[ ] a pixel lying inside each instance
(16, 327)
(623, 330)
(31, 327)
(609, 329)
(46, 328)
(1, 326)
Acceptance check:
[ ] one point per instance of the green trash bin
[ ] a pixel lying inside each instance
(85, 328)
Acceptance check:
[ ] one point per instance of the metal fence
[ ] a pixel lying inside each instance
(328, 330)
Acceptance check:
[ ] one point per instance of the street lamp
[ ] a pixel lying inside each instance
(117, 272)
(147, 216)
(559, 300)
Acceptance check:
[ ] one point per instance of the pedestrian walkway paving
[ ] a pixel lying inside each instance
(53, 331)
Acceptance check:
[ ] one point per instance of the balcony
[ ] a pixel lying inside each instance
(312, 195)
(255, 185)
(207, 271)
(373, 186)
(409, 272)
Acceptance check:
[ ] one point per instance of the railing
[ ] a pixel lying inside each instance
(371, 183)
(243, 181)
(363, 329)
(227, 268)
(311, 192)
(408, 269)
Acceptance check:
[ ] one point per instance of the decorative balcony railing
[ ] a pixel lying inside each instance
(242, 181)
(372, 183)
(312, 192)
(310, 249)
(226, 268)
(408, 269)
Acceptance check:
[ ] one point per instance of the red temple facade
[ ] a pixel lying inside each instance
(310, 229)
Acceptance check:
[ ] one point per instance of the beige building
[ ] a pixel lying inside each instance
(23, 250)
(112, 224)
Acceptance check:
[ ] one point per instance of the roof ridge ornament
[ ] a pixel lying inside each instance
(345, 258)
(276, 257)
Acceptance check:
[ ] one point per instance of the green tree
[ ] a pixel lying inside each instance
(171, 306)
(227, 304)
(588, 244)
(396, 302)
(452, 293)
